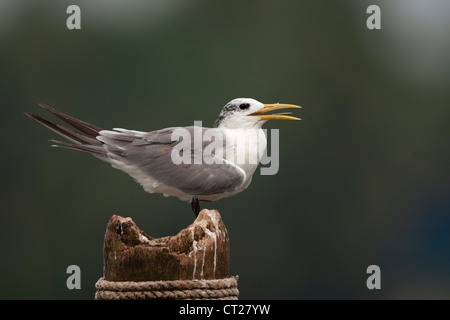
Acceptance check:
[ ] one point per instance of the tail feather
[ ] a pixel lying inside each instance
(92, 149)
(74, 136)
(83, 138)
(84, 127)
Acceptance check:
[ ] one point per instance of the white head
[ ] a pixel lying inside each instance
(245, 113)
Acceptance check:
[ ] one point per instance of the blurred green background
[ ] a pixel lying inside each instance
(364, 178)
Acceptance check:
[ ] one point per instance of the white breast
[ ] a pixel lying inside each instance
(245, 148)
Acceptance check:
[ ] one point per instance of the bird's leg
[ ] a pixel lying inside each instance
(195, 204)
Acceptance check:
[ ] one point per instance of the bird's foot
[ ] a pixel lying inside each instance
(195, 204)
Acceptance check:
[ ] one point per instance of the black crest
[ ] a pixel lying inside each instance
(228, 109)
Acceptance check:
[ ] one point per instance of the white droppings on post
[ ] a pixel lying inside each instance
(203, 262)
(194, 246)
(215, 222)
(217, 234)
(143, 238)
(213, 235)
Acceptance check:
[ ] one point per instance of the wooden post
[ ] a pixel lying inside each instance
(173, 264)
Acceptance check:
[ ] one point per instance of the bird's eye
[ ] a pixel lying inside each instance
(244, 106)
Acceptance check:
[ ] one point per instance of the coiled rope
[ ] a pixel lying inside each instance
(216, 289)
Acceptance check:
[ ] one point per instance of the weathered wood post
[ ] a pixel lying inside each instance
(194, 264)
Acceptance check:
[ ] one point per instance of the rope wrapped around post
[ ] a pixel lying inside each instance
(215, 289)
(194, 264)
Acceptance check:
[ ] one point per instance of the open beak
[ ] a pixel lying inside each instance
(275, 106)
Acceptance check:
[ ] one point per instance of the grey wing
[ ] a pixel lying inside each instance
(151, 154)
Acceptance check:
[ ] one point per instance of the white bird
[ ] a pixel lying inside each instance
(149, 157)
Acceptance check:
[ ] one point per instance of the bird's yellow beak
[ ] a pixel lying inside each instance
(278, 116)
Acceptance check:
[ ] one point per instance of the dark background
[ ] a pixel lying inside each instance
(364, 178)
